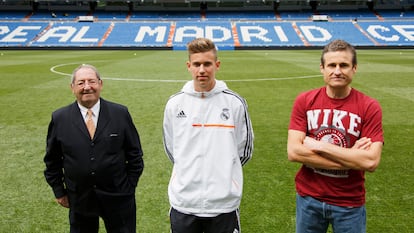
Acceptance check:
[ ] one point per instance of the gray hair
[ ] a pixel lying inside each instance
(85, 66)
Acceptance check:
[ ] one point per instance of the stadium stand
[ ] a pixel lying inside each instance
(232, 24)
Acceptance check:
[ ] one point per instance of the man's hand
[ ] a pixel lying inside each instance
(362, 143)
(312, 144)
(63, 201)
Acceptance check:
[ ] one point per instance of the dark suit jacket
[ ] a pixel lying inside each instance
(99, 174)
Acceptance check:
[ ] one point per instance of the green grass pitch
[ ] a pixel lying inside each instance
(35, 83)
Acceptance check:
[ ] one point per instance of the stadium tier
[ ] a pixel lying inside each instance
(229, 30)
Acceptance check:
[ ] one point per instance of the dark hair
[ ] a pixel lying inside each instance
(339, 45)
(201, 45)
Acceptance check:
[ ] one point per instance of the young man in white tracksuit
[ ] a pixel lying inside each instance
(208, 137)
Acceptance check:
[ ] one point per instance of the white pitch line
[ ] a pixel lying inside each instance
(230, 80)
(53, 70)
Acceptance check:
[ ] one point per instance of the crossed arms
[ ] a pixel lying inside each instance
(364, 155)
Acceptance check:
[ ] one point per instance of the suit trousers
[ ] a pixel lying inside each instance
(115, 222)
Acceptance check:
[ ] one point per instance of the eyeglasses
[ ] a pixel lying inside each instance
(90, 82)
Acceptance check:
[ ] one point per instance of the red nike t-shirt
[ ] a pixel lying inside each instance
(341, 122)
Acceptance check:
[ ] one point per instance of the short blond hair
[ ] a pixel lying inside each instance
(201, 45)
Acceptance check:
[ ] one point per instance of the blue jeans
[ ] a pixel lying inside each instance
(313, 216)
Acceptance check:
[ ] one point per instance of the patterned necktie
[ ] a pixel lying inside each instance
(89, 123)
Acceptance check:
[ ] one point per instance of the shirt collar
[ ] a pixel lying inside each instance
(95, 109)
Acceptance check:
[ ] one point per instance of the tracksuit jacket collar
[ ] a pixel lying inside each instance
(189, 89)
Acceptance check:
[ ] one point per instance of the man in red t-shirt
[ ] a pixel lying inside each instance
(336, 133)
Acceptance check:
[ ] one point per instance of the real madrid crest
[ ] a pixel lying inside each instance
(225, 115)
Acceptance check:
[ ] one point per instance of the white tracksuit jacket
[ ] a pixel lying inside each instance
(208, 140)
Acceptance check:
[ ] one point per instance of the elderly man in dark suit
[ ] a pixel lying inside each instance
(94, 173)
